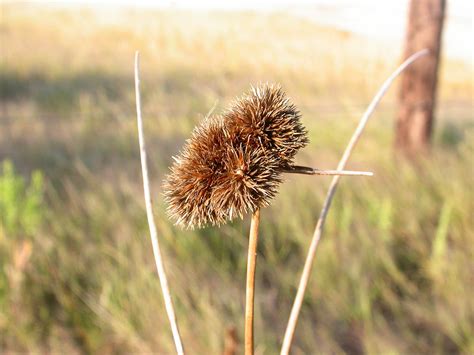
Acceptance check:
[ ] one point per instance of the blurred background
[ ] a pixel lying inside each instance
(393, 274)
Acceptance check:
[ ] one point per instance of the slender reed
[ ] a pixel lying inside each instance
(290, 330)
(151, 222)
(250, 289)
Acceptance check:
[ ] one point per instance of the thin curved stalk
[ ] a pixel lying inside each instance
(151, 222)
(290, 330)
(250, 289)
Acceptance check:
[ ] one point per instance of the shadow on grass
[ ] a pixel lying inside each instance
(101, 153)
(61, 93)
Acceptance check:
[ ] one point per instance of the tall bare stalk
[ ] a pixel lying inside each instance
(250, 289)
(151, 222)
(290, 330)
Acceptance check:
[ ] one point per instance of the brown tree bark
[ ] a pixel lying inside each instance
(417, 94)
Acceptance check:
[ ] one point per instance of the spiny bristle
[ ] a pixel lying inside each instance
(232, 163)
(267, 115)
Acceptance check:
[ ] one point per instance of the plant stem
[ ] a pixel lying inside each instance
(290, 329)
(151, 222)
(296, 169)
(250, 289)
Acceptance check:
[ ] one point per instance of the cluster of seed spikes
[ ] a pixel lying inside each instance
(232, 163)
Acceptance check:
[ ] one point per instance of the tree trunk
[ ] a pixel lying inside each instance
(418, 87)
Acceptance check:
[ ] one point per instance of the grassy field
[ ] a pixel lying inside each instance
(393, 274)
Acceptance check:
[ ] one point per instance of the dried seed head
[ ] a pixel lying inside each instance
(232, 163)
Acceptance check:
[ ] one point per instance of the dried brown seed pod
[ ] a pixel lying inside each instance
(232, 163)
(268, 116)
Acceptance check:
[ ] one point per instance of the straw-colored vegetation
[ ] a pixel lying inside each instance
(394, 270)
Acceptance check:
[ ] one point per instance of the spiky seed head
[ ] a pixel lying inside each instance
(232, 163)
